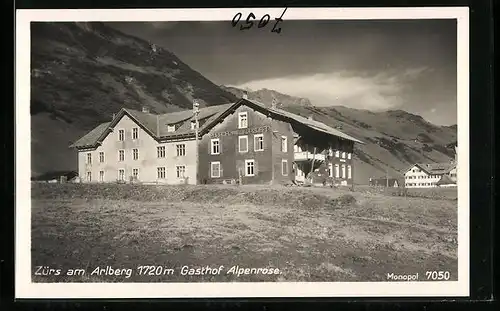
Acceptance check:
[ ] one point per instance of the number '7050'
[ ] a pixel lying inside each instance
(437, 275)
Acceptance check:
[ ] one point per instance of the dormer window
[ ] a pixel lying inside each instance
(193, 124)
(171, 128)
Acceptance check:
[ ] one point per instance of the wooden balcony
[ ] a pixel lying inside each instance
(306, 156)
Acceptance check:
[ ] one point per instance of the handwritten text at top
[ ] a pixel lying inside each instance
(249, 23)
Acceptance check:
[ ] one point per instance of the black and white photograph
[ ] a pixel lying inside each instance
(242, 152)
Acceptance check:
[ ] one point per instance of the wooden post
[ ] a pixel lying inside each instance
(196, 111)
(312, 164)
(272, 159)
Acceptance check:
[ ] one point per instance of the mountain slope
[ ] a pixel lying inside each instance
(394, 139)
(82, 73)
(266, 96)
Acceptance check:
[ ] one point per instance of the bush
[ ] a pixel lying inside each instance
(344, 200)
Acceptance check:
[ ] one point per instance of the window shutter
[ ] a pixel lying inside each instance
(255, 168)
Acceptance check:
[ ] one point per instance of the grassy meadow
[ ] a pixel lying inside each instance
(309, 234)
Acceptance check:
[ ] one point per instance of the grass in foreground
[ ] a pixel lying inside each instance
(308, 234)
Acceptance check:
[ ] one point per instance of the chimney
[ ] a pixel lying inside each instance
(310, 117)
(245, 95)
(145, 109)
(114, 116)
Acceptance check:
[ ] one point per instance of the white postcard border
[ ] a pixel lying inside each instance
(24, 288)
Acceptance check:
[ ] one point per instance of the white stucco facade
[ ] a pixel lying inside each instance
(417, 178)
(120, 158)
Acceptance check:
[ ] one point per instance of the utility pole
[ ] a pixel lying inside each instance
(196, 112)
(386, 178)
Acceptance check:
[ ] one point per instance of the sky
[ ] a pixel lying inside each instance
(375, 65)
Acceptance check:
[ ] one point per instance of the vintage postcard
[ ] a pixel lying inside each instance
(280, 152)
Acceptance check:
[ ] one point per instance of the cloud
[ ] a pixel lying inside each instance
(379, 91)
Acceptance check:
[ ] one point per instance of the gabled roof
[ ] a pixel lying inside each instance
(316, 125)
(89, 139)
(156, 125)
(433, 168)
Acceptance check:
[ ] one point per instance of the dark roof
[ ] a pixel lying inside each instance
(445, 180)
(306, 121)
(91, 137)
(157, 125)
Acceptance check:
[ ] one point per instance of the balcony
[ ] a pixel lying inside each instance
(305, 156)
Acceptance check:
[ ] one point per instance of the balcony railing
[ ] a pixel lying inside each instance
(305, 155)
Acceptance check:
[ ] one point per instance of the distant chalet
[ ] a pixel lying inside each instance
(424, 175)
(245, 142)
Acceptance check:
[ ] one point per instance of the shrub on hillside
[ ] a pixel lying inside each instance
(344, 200)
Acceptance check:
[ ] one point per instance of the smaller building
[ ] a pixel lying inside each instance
(446, 181)
(427, 175)
(384, 182)
(57, 177)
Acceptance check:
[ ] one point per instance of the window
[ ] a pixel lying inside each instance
(121, 155)
(135, 154)
(215, 146)
(161, 172)
(242, 120)
(101, 157)
(181, 150)
(101, 176)
(337, 153)
(121, 174)
(284, 167)
(337, 171)
(284, 144)
(160, 151)
(89, 176)
(121, 135)
(193, 125)
(135, 133)
(243, 144)
(171, 128)
(89, 158)
(135, 173)
(330, 169)
(343, 171)
(259, 142)
(249, 167)
(349, 176)
(215, 169)
(343, 155)
(349, 156)
(181, 170)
